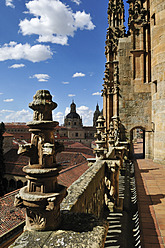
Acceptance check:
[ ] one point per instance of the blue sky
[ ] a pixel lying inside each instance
(56, 45)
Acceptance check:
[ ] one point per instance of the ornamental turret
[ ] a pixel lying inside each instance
(42, 195)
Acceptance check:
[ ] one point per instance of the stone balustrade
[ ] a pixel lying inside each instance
(86, 195)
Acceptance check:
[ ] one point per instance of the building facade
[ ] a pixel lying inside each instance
(134, 87)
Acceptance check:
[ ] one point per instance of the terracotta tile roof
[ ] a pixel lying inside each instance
(77, 144)
(14, 163)
(71, 174)
(7, 135)
(70, 158)
(10, 216)
(16, 125)
(86, 150)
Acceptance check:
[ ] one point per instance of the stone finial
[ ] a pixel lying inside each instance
(42, 105)
(42, 195)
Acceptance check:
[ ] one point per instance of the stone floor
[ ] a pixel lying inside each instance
(150, 183)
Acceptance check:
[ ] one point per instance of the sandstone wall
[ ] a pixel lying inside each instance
(158, 77)
(135, 95)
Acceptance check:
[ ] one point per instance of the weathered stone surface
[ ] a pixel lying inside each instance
(76, 230)
(42, 195)
(85, 193)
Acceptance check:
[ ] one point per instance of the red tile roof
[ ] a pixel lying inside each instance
(71, 174)
(7, 135)
(10, 216)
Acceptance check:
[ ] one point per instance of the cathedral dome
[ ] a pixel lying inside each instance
(73, 113)
(73, 118)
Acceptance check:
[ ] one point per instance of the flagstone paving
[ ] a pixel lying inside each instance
(150, 183)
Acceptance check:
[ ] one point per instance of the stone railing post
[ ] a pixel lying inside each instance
(112, 184)
(42, 195)
(100, 149)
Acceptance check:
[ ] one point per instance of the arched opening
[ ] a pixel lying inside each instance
(137, 140)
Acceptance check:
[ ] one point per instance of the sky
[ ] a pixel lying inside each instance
(56, 45)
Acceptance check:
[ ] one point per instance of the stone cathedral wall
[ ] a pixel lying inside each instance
(134, 95)
(157, 14)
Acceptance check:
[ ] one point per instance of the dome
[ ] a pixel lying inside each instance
(73, 115)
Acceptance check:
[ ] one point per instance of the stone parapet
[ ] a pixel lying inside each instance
(86, 195)
(80, 225)
(76, 230)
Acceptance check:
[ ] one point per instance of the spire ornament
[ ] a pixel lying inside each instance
(43, 194)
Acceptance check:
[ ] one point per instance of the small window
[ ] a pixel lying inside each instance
(75, 123)
(153, 17)
(155, 86)
(76, 134)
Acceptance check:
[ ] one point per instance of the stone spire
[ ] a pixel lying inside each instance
(115, 31)
(96, 115)
(42, 195)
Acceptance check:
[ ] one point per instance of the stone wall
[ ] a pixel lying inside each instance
(86, 195)
(158, 77)
(134, 95)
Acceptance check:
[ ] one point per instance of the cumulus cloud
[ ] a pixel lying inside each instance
(8, 100)
(53, 21)
(16, 66)
(76, 1)
(9, 3)
(16, 51)
(19, 116)
(41, 77)
(96, 94)
(86, 113)
(67, 111)
(78, 74)
(71, 95)
(65, 82)
(59, 117)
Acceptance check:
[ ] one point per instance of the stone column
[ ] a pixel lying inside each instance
(43, 194)
(100, 150)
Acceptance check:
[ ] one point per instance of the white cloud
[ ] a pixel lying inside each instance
(71, 95)
(67, 111)
(76, 1)
(54, 21)
(8, 100)
(1, 93)
(41, 77)
(19, 116)
(17, 51)
(96, 94)
(15, 66)
(87, 115)
(78, 74)
(65, 82)
(59, 117)
(9, 3)
(6, 111)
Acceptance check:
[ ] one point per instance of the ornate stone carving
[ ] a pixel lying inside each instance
(100, 150)
(42, 195)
